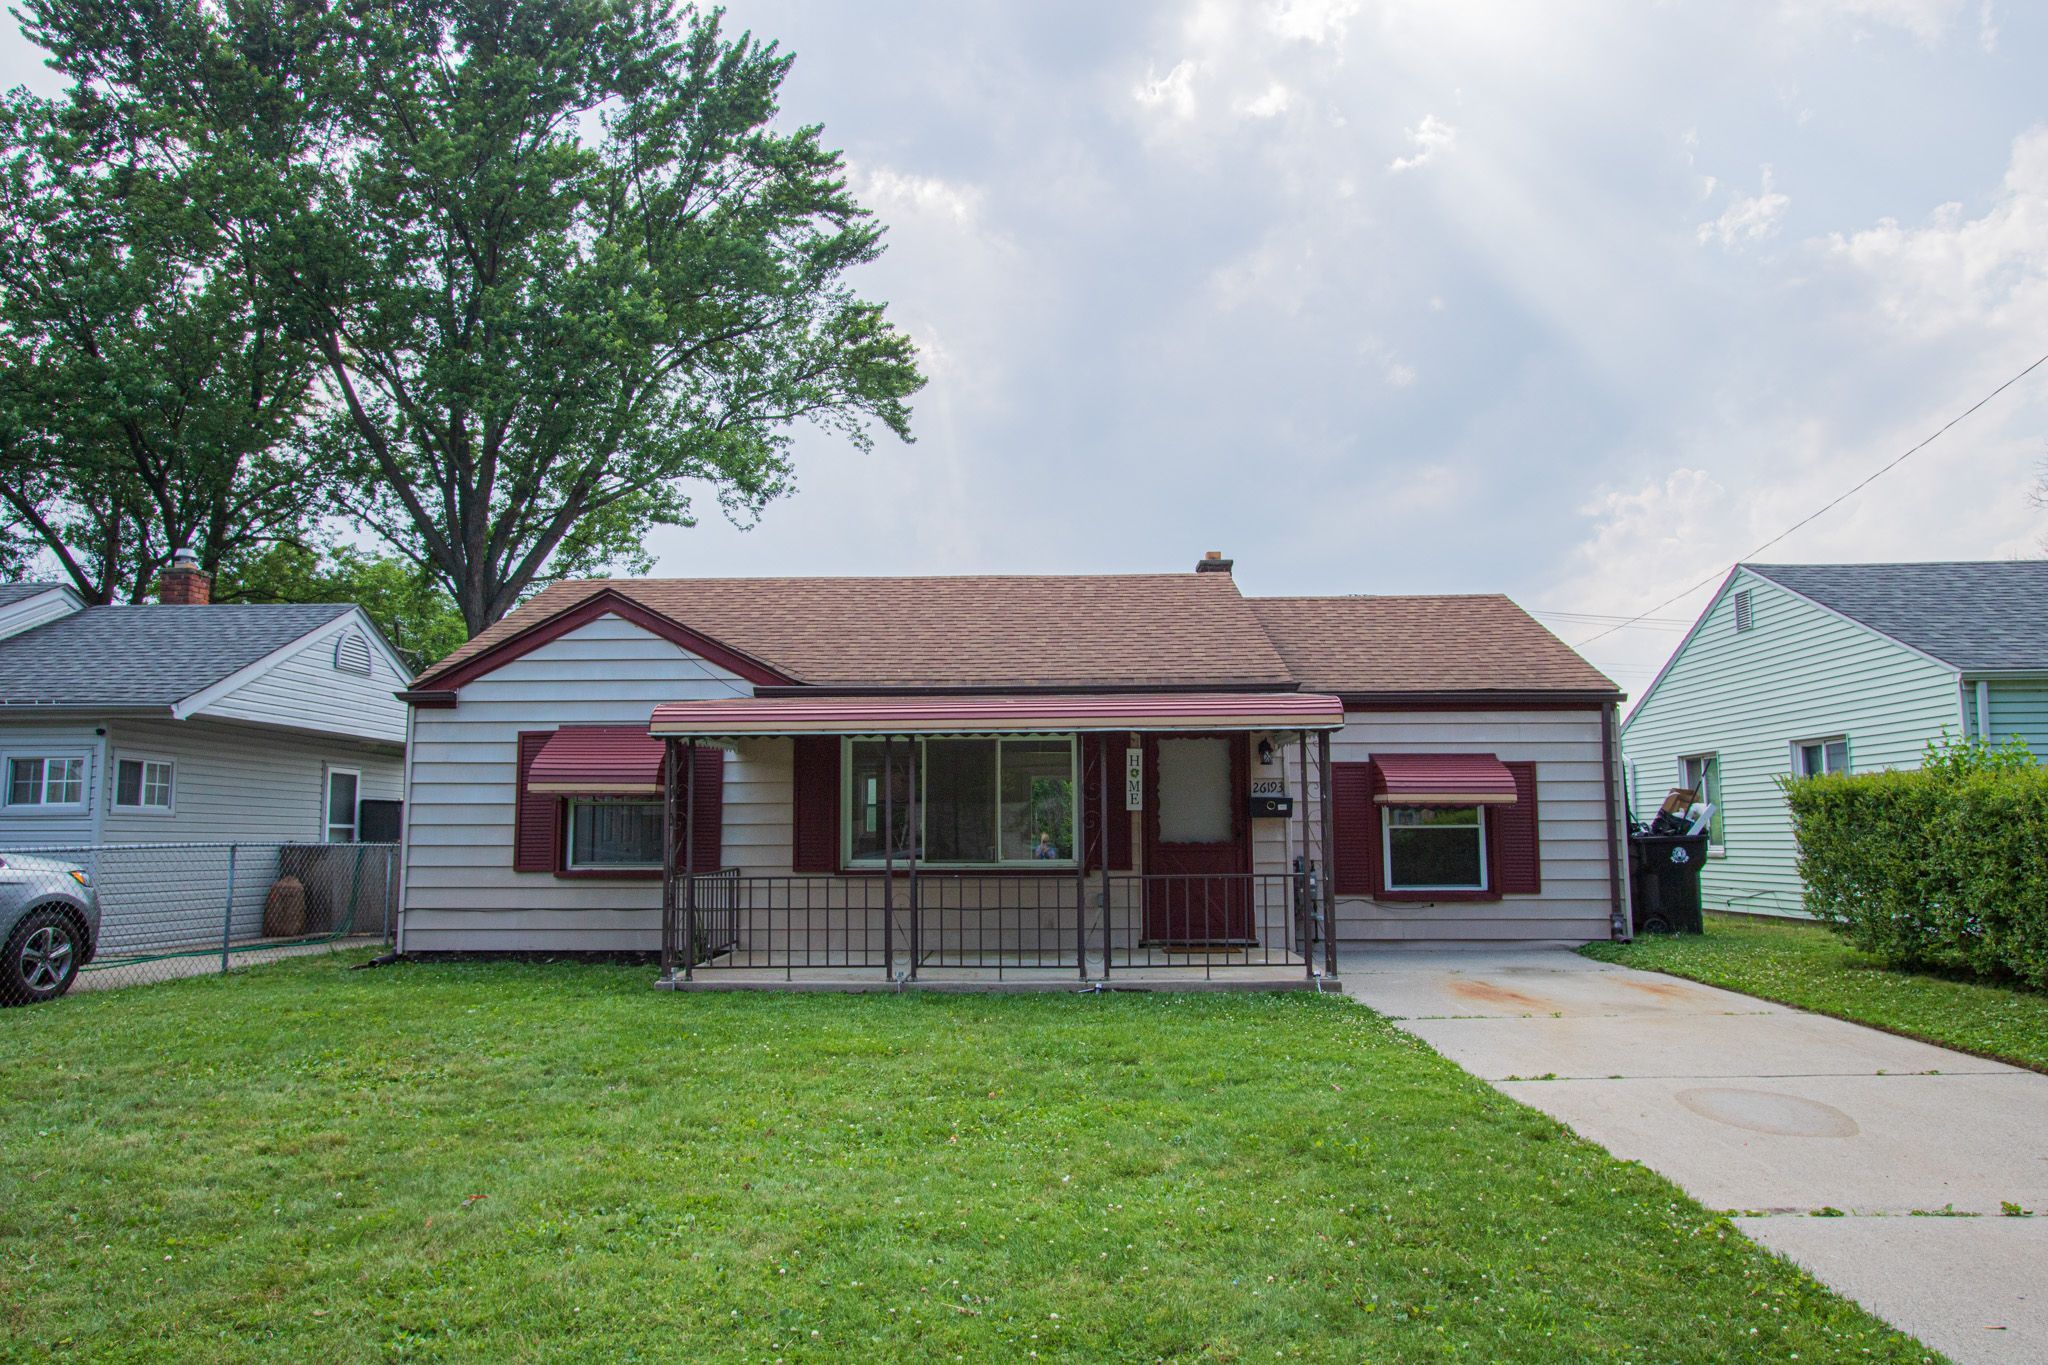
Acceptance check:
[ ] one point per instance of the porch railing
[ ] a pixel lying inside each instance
(975, 925)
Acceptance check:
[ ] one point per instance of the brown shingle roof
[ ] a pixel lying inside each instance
(1151, 629)
(1421, 644)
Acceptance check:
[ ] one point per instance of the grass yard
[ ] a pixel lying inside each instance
(1806, 965)
(519, 1162)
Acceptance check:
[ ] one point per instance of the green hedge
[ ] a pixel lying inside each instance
(1943, 867)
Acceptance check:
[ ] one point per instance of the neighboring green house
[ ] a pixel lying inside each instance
(1810, 668)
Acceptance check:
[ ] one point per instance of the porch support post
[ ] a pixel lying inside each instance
(689, 859)
(668, 860)
(1102, 794)
(1081, 852)
(1301, 883)
(888, 857)
(1329, 816)
(916, 911)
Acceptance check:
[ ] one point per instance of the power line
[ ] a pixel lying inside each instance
(1828, 507)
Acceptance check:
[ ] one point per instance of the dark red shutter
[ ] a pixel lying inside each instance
(814, 810)
(1518, 858)
(1356, 858)
(536, 816)
(709, 828)
(1095, 751)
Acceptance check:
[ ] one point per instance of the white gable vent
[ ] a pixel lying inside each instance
(352, 653)
(1743, 617)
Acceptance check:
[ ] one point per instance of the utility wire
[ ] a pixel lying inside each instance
(1829, 507)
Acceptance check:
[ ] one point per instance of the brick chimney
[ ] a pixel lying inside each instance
(1213, 562)
(185, 583)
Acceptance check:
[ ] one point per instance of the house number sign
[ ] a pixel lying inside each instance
(1134, 779)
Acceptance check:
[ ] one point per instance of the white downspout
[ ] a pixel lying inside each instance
(1984, 710)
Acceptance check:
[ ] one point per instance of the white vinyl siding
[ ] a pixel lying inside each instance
(1571, 808)
(1799, 672)
(460, 889)
(238, 783)
(305, 691)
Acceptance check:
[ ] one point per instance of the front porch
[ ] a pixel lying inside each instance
(1180, 906)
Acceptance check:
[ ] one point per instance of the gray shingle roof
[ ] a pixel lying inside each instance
(146, 656)
(10, 593)
(1975, 615)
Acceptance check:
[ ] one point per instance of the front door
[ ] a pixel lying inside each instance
(1197, 848)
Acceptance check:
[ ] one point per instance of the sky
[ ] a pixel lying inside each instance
(1577, 302)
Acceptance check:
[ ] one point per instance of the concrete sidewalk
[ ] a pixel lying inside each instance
(1774, 1114)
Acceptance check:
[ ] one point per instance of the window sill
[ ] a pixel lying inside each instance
(1436, 897)
(610, 874)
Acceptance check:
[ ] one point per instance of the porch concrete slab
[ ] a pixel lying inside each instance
(1754, 1107)
(1975, 1289)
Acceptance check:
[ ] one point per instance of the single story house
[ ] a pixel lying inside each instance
(1801, 669)
(1088, 773)
(188, 720)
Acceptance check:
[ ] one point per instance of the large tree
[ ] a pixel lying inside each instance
(559, 259)
(150, 388)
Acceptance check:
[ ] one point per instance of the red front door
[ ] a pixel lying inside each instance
(1197, 840)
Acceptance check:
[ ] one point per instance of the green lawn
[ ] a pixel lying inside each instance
(1807, 965)
(520, 1162)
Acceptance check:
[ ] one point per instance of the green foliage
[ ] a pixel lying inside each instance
(1974, 754)
(413, 611)
(558, 1163)
(1809, 965)
(561, 261)
(151, 388)
(1943, 867)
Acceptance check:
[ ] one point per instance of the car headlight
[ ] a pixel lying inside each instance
(82, 877)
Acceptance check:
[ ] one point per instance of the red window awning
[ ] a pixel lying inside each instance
(1443, 780)
(598, 760)
(760, 717)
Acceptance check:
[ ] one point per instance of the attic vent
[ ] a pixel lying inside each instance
(352, 653)
(1743, 618)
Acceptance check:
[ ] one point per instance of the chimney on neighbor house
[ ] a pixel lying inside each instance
(185, 583)
(1213, 562)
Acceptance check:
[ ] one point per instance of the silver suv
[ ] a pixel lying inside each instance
(50, 924)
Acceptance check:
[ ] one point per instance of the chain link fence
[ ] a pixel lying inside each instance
(95, 916)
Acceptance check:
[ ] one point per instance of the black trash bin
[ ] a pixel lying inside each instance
(1664, 881)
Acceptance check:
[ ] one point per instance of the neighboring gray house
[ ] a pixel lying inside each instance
(1800, 669)
(193, 721)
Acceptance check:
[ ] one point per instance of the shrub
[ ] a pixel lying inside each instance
(1943, 867)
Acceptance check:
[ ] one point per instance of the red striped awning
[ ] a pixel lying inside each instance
(751, 717)
(1443, 780)
(598, 760)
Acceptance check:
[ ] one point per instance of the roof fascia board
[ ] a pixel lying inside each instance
(1092, 689)
(604, 602)
(1761, 572)
(2003, 674)
(28, 606)
(1479, 700)
(1678, 653)
(213, 692)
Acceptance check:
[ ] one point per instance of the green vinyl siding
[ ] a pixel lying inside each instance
(2018, 707)
(1800, 673)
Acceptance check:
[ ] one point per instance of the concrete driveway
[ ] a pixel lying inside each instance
(1773, 1114)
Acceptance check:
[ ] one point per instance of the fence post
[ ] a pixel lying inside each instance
(227, 917)
(390, 872)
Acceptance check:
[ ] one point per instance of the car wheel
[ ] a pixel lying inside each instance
(1657, 924)
(42, 959)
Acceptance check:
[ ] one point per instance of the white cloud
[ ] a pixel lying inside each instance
(1271, 104)
(1748, 218)
(1430, 137)
(1173, 93)
(1312, 21)
(1959, 271)
(895, 194)
(1400, 376)
(1926, 20)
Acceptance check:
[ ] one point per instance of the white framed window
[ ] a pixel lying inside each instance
(1433, 848)
(144, 783)
(344, 800)
(1820, 757)
(46, 782)
(980, 802)
(1702, 773)
(614, 834)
